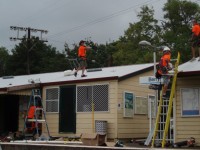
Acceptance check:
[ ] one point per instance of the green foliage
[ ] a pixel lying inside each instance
(178, 16)
(4, 57)
(128, 49)
(42, 58)
(174, 31)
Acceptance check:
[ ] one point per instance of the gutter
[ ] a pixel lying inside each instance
(188, 74)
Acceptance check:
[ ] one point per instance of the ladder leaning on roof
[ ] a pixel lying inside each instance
(164, 112)
(39, 115)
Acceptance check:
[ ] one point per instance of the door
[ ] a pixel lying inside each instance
(9, 113)
(67, 109)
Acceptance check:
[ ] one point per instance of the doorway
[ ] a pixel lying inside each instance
(67, 109)
(9, 113)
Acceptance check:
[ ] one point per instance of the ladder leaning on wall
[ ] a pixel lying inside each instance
(162, 135)
(33, 123)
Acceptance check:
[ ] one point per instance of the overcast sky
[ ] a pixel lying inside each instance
(71, 20)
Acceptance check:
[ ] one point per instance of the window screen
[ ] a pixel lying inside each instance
(52, 100)
(96, 94)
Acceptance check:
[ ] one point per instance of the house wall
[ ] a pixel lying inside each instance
(186, 127)
(24, 98)
(23, 101)
(138, 125)
(84, 121)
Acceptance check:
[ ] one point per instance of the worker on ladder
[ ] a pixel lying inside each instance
(162, 69)
(35, 116)
(31, 126)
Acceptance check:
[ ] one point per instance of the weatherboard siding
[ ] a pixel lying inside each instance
(186, 127)
(84, 121)
(138, 125)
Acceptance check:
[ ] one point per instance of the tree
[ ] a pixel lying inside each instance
(128, 50)
(42, 58)
(178, 16)
(4, 57)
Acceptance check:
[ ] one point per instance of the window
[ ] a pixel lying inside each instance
(52, 100)
(89, 95)
(141, 105)
(190, 101)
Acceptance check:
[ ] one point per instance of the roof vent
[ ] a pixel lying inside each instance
(94, 69)
(7, 77)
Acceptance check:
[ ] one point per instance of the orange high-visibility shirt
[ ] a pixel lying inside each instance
(196, 29)
(165, 59)
(82, 51)
(31, 112)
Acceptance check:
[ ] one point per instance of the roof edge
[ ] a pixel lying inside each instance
(22, 87)
(187, 74)
(136, 73)
(80, 81)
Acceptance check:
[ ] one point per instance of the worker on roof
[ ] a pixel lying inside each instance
(82, 58)
(195, 39)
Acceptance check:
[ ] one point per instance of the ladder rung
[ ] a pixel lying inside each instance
(39, 109)
(36, 120)
(173, 59)
(37, 96)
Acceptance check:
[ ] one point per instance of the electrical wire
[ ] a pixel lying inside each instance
(101, 19)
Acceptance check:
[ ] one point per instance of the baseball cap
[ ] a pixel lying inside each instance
(81, 42)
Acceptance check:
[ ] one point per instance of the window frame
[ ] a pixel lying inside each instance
(128, 112)
(190, 112)
(139, 111)
(58, 100)
(91, 85)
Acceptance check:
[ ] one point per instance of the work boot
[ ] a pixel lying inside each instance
(192, 59)
(83, 75)
(75, 74)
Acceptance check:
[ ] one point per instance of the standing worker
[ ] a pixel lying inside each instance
(82, 58)
(195, 39)
(164, 67)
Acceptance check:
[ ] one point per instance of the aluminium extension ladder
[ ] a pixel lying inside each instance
(39, 115)
(162, 135)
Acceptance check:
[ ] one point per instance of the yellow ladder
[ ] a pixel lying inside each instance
(169, 111)
(157, 121)
(162, 122)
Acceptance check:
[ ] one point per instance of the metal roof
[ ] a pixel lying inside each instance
(189, 68)
(58, 77)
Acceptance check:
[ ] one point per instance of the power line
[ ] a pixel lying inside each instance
(101, 19)
(29, 46)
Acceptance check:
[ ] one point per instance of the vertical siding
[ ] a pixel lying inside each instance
(186, 127)
(21, 116)
(138, 126)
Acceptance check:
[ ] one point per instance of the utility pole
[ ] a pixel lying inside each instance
(28, 38)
